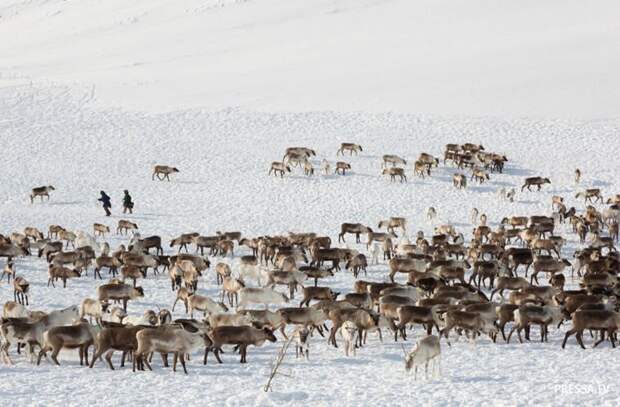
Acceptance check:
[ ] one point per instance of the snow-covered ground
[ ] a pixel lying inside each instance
(93, 94)
(55, 137)
(474, 57)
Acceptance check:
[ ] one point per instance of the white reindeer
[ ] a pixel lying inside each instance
(427, 350)
(326, 167)
(349, 331)
(374, 252)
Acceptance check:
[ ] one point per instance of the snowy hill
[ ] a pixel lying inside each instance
(476, 57)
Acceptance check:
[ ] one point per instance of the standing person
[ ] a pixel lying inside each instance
(105, 200)
(127, 202)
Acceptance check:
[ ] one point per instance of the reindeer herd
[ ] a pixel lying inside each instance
(486, 280)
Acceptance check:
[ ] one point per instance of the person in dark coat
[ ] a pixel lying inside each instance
(105, 200)
(127, 202)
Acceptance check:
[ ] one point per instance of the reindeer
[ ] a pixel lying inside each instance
(278, 167)
(308, 168)
(21, 288)
(479, 175)
(459, 181)
(427, 351)
(536, 181)
(120, 292)
(231, 287)
(349, 333)
(169, 339)
(350, 147)
(431, 213)
(342, 167)
(601, 320)
(41, 191)
(59, 272)
(354, 228)
(164, 170)
(33, 233)
(80, 336)
(395, 172)
(242, 336)
(68, 237)
(577, 176)
(100, 229)
(9, 271)
(421, 169)
(588, 194)
(325, 167)
(53, 231)
(126, 226)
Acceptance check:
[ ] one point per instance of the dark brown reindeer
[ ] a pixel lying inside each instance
(535, 181)
(41, 191)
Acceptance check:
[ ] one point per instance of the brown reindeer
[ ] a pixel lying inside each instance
(163, 172)
(278, 167)
(125, 225)
(601, 320)
(41, 191)
(459, 181)
(21, 288)
(59, 272)
(100, 229)
(342, 167)
(350, 147)
(80, 336)
(395, 172)
(242, 336)
(536, 181)
(353, 228)
(588, 194)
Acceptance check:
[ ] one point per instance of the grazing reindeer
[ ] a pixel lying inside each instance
(33, 233)
(278, 167)
(395, 172)
(479, 175)
(342, 167)
(350, 147)
(41, 191)
(164, 170)
(427, 350)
